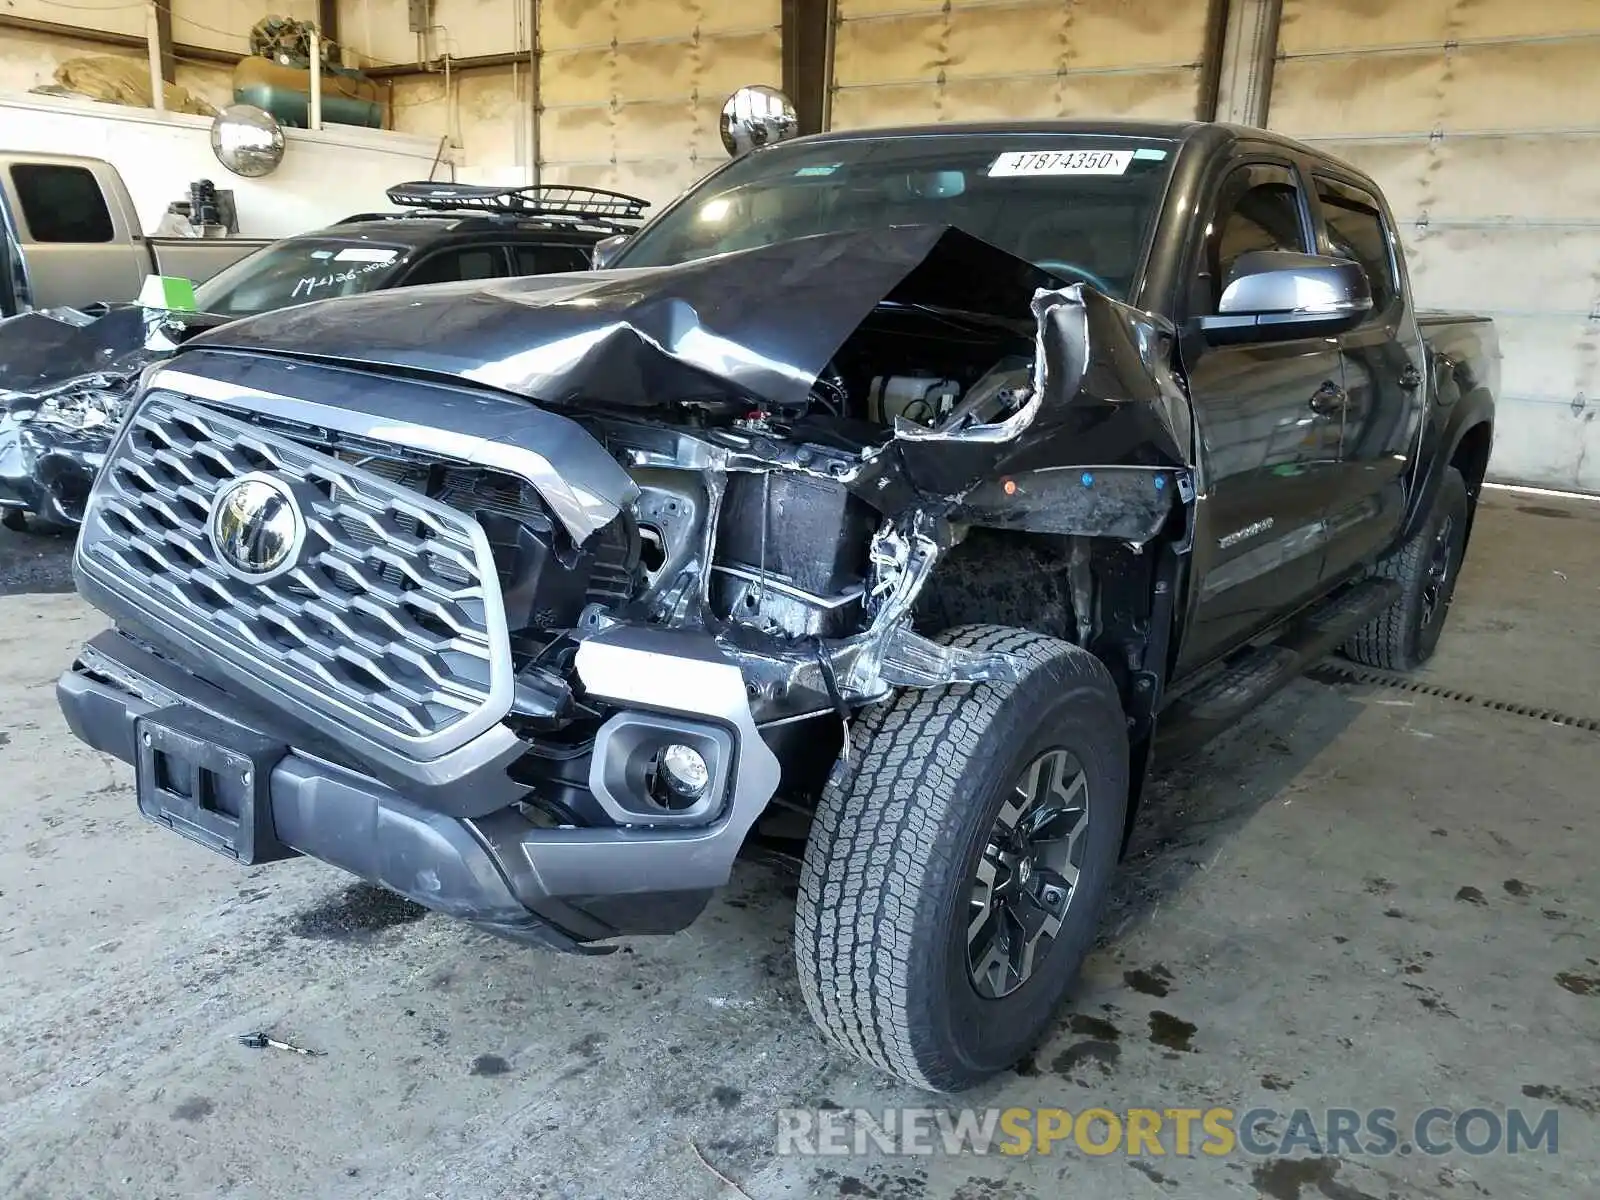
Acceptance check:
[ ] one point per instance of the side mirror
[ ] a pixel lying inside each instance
(607, 249)
(757, 116)
(1277, 294)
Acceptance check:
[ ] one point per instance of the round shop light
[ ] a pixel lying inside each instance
(683, 770)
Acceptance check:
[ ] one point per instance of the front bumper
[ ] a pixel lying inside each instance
(557, 887)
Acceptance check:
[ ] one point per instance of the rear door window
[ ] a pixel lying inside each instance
(548, 260)
(1356, 230)
(453, 266)
(61, 203)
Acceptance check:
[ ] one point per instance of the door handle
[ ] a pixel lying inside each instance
(1327, 399)
(1411, 378)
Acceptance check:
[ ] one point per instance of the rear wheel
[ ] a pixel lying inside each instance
(955, 876)
(1406, 634)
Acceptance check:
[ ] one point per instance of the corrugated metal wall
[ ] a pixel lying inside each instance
(902, 61)
(630, 90)
(1481, 119)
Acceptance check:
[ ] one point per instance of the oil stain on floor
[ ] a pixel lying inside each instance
(1172, 1032)
(359, 911)
(1152, 981)
(1292, 1178)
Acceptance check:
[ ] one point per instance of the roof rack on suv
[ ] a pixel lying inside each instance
(542, 200)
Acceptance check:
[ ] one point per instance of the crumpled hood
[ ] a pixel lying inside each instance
(40, 350)
(754, 324)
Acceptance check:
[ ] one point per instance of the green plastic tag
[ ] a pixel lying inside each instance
(168, 291)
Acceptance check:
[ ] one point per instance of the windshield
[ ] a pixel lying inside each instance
(298, 270)
(1077, 205)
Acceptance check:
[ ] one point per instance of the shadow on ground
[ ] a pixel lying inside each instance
(33, 563)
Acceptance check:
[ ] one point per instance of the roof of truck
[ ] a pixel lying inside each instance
(1173, 131)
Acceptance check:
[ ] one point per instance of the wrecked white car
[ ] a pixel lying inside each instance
(899, 482)
(66, 375)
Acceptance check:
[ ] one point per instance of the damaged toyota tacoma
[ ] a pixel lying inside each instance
(901, 482)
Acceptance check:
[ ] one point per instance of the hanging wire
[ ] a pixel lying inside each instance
(94, 7)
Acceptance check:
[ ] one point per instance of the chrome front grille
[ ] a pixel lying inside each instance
(392, 620)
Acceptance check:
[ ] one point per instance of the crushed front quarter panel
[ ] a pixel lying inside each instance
(73, 358)
(1104, 394)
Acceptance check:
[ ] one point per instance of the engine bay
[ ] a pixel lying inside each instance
(747, 523)
(794, 527)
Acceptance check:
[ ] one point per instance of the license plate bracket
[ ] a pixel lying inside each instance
(209, 780)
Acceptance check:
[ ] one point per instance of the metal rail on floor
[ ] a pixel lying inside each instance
(1333, 671)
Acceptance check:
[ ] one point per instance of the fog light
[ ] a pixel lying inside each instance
(683, 770)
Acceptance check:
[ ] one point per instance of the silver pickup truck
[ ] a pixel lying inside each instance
(70, 236)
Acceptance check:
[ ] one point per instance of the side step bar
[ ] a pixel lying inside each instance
(1197, 714)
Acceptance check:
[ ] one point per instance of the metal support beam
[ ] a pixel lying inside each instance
(1211, 59)
(1250, 46)
(315, 115)
(328, 19)
(535, 96)
(169, 64)
(472, 62)
(122, 41)
(807, 38)
(153, 43)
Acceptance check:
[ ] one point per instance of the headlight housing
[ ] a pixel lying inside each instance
(85, 408)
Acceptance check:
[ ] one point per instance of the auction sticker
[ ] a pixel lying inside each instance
(367, 254)
(1062, 162)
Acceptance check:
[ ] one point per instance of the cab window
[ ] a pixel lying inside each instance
(1356, 230)
(453, 266)
(1260, 207)
(548, 260)
(62, 204)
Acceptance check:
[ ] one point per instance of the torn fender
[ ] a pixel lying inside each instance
(755, 325)
(48, 470)
(1105, 396)
(57, 367)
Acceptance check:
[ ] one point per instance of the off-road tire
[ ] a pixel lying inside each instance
(1401, 638)
(880, 937)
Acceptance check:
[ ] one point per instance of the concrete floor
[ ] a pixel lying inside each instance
(1363, 897)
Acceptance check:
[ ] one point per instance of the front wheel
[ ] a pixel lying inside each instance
(955, 875)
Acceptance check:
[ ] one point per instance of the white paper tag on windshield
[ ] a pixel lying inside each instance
(1062, 162)
(368, 254)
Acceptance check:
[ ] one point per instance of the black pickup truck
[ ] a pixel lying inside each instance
(907, 479)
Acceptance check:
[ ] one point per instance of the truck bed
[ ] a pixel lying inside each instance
(1466, 339)
(1465, 344)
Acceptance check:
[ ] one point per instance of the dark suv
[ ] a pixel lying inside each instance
(448, 233)
(65, 375)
